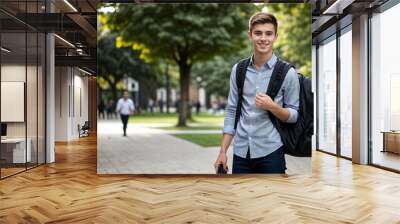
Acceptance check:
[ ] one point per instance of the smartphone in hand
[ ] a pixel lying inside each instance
(221, 169)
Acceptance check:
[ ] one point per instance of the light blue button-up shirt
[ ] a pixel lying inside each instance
(255, 130)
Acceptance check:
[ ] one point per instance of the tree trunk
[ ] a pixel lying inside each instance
(190, 117)
(167, 83)
(184, 82)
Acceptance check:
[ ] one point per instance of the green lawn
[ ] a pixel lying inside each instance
(189, 128)
(154, 118)
(205, 140)
(201, 119)
(208, 119)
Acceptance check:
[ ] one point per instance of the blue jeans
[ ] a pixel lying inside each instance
(272, 163)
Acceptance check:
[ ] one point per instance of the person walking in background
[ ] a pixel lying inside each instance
(177, 105)
(101, 107)
(198, 106)
(161, 105)
(125, 107)
(214, 106)
(110, 109)
(151, 105)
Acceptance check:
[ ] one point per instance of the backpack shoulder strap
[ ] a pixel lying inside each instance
(278, 76)
(241, 69)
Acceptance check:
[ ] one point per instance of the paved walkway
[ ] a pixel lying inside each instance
(148, 150)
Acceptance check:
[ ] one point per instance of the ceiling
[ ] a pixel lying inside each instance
(75, 21)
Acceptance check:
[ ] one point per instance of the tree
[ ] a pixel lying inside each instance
(182, 34)
(294, 34)
(115, 64)
(293, 45)
(216, 71)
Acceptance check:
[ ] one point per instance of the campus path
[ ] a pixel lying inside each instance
(148, 150)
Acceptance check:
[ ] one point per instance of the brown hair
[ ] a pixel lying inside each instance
(262, 18)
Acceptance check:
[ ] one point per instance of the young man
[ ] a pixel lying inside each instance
(125, 107)
(257, 144)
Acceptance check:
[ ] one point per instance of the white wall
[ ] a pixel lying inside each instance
(80, 100)
(13, 73)
(33, 125)
(71, 94)
(61, 103)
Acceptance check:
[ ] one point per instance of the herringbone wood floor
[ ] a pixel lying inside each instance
(70, 191)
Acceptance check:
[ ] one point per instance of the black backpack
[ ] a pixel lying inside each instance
(296, 137)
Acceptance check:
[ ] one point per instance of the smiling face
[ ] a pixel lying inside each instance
(263, 37)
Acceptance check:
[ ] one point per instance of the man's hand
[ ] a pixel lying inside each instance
(263, 101)
(221, 159)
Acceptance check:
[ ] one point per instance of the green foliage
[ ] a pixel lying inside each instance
(205, 39)
(156, 118)
(293, 45)
(180, 33)
(202, 119)
(215, 73)
(108, 63)
(114, 64)
(183, 33)
(294, 34)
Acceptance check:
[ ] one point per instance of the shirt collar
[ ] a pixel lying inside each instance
(270, 63)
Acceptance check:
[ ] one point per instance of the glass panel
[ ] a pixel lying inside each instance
(22, 76)
(15, 8)
(385, 86)
(327, 96)
(314, 84)
(13, 85)
(31, 85)
(346, 94)
(41, 99)
(31, 97)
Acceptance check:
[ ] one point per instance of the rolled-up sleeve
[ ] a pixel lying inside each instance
(291, 95)
(230, 111)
